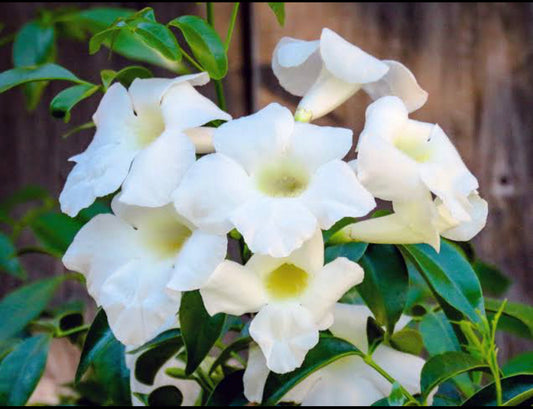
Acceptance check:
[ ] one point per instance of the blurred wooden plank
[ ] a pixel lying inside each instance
(473, 59)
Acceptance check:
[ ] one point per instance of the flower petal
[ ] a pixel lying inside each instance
(350, 324)
(233, 289)
(467, 230)
(330, 202)
(147, 93)
(329, 285)
(401, 82)
(210, 191)
(104, 245)
(316, 145)
(157, 170)
(197, 260)
(257, 138)
(104, 165)
(447, 176)
(202, 138)
(255, 374)
(296, 64)
(135, 302)
(274, 226)
(285, 332)
(183, 107)
(348, 62)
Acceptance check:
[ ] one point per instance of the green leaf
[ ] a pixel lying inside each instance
(125, 76)
(21, 370)
(279, 11)
(200, 331)
(55, 231)
(109, 36)
(238, 345)
(63, 102)
(352, 251)
(205, 44)
(516, 390)
(329, 349)
(171, 334)
(443, 367)
(438, 337)
(165, 396)
(520, 364)
(23, 75)
(384, 288)
(396, 397)
(375, 335)
(9, 262)
(493, 281)
(158, 353)
(158, 37)
(34, 44)
(516, 318)
(450, 277)
(25, 304)
(407, 340)
(229, 391)
(105, 355)
(345, 221)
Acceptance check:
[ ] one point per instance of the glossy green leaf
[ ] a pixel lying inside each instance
(63, 102)
(205, 43)
(407, 340)
(437, 334)
(9, 262)
(125, 76)
(450, 277)
(21, 370)
(279, 11)
(165, 396)
(516, 318)
(107, 36)
(200, 331)
(229, 391)
(157, 354)
(105, 355)
(352, 251)
(25, 304)
(520, 364)
(443, 367)
(34, 45)
(55, 231)
(493, 281)
(517, 390)
(171, 334)
(23, 75)
(159, 37)
(329, 349)
(385, 284)
(345, 221)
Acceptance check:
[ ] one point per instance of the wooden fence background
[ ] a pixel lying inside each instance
(471, 58)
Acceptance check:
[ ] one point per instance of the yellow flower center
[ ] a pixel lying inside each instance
(282, 178)
(286, 281)
(149, 127)
(167, 238)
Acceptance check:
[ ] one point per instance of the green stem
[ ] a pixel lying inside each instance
(369, 361)
(231, 27)
(219, 88)
(73, 331)
(192, 61)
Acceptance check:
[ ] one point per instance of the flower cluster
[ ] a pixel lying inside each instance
(278, 181)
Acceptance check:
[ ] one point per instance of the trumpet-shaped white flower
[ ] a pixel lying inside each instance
(420, 221)
(328, 71)
(130, 258)
(140, 143)
(275, 180)
(189, 389)
(347, 381)
(293, 297)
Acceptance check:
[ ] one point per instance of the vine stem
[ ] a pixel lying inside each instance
(370, 362)
(231, 27)
(219, 88)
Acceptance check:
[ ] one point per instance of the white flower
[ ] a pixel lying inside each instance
(189, 388)
(140, 143)
(130, 258)
(420, 221)
(347, 381)
(328, 71)
(275, 180)
(293, 297)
